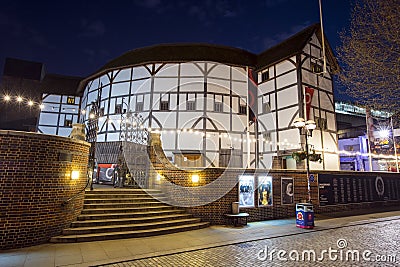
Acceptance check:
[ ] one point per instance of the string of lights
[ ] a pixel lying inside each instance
(30, 103)
(21, 100)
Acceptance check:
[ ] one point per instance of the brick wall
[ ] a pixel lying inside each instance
(214, 211)
(34, 182)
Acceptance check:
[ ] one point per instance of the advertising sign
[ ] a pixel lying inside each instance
(264, 190)
(287, 191)
(246, 191)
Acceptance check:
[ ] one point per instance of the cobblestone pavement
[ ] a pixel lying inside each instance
(375, 243)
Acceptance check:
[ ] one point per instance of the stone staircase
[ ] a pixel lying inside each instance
(126, 213)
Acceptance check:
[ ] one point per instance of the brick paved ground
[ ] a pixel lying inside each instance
(382, 239)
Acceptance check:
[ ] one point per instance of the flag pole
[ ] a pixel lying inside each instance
(248, 121)
(368, 118)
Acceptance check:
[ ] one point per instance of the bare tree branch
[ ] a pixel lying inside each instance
(370, 54)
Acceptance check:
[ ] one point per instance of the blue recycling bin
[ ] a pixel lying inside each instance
(304, 215)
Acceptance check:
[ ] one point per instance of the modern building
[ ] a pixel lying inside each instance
(25, 86)
(213, 105)
(362, 148)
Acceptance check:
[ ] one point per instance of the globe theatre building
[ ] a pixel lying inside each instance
(214, 106)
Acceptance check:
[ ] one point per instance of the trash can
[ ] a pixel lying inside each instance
(304, 215)
(235, 207)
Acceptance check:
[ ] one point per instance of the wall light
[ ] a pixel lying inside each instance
(159, 176)
(75, 175)
(195, 178)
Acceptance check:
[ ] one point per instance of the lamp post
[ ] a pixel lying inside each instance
(306, 128)
(93, 127)
(122, 136)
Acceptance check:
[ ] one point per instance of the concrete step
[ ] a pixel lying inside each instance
(126, 209)
(116, 200)
(122, 191)
(128, 227)
(107, 216)
(125, 199)
(128, 234)
(135, 220)
(121, 196)
(120, 200)
(120, 205)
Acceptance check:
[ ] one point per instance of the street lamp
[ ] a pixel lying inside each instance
(306, 128)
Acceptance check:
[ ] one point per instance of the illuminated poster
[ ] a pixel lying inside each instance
(264, 190)
(246, 191)
(287, 191)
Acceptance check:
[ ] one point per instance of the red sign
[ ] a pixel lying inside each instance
(309, 96)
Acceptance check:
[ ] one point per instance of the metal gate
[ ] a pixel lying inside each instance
(135, 140)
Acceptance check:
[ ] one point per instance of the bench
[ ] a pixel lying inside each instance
(236, 219)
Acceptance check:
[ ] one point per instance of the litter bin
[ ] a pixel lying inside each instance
(304, 215)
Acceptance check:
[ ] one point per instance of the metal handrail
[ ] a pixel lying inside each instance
(65, 202)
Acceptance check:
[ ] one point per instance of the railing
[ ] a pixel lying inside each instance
(65, 202)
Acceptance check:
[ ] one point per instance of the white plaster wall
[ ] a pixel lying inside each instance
(326, 101)
(239, 73)
(285, 66)
(168, 70)
(240, 89)
(162, 84)
(120, 89)
(220, 71)
(331, 161)
(288, 97)
(285, 116)
(291, 138)
(141, 86)
(123, 75)
(287, 79)
(331, 122)
(330, 142)
(104, 80)
(192, 84)
(190, 69)
(218, 86)
(167, 119)
(140, 72)
(266, 87)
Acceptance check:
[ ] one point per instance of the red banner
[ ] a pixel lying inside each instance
(309, 96)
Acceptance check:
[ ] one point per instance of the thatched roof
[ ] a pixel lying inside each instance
(174, 53)
(293, 46)
(60, 84)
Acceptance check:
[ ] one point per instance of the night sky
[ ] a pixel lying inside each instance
(78, 37)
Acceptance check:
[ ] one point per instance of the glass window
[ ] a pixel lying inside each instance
(267, 108)
(118, 109)
(191, 105)
(68, 122)
(164, 105)
(242, 109)
(265, 75)
(218, 107)
(71, 100)
(139, 106)
(316, 68)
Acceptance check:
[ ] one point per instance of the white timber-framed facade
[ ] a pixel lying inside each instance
(217, 106)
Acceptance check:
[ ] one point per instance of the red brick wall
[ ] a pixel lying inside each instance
(34, 182)
(214, 212)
